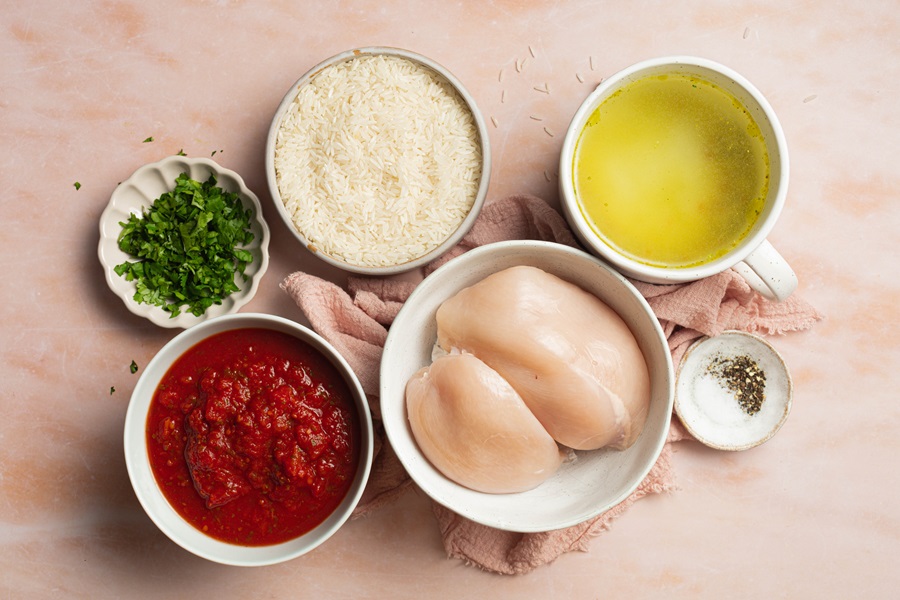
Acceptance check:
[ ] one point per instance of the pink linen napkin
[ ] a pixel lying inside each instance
(355, 321)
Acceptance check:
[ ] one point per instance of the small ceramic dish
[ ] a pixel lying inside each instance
(706, 396)
(584, 488)
(331, 193)
(139, 192)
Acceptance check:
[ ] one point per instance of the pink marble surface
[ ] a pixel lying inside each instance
(812, 513)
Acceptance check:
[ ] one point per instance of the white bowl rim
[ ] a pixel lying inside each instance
(393, 415)
(480, 125)
(110, 255)
(158, 508)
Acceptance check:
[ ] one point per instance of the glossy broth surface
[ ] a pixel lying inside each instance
(671, 171)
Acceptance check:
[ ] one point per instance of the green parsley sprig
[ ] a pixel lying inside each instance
(188, 245)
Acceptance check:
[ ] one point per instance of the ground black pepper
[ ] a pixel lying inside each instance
(741, 375)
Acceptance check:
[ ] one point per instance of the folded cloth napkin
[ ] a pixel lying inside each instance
(355, 321)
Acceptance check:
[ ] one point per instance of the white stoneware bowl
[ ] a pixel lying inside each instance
(483, 141)
(139, 192)
(145, 486)
(598, 480)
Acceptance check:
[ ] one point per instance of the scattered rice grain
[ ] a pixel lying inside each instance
(531, 51)
(591, 62)
(543, 90)
(746, 32)
(548, 132)
(810, 98)
(579, 77)
(494, 121)
(535, 118)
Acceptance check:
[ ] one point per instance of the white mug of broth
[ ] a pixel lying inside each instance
(675, 169)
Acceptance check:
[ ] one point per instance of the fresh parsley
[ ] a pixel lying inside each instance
(77, 185)
(189, 247)
(133, 368)
(149, 139)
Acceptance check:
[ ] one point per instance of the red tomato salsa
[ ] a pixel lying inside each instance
(253, 436)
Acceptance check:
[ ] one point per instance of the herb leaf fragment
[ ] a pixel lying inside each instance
(188, 245)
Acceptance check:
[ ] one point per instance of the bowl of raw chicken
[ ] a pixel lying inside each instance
(527, 386)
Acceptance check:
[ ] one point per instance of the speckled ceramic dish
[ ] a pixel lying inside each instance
(707, 400)
(584, 488)
(140, 191)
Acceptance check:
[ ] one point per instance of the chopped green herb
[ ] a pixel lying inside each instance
(77, 185)
(112, 390)
(181, 152)
(133, 367)
(188, 243)
(213, 152)
(149, 139)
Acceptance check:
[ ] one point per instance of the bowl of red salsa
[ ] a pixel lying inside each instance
(248, 439)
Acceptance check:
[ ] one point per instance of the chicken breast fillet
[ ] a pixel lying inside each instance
(474, 428)
(570, 357)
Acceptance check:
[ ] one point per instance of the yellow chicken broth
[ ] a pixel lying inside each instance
(671, 171)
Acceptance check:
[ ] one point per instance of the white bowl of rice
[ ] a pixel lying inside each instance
(378, 160)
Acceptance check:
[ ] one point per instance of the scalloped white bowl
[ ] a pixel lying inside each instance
(139, 191)
(144, 483)
(595, 482)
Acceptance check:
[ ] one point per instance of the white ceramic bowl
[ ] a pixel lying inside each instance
(145, 485)
(753, 257)
(458, 233)
(711, 413)
(140, 191)
(580, 490)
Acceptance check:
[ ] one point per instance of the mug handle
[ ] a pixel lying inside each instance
(768, 273)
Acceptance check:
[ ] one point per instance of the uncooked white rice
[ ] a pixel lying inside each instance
(377, 160)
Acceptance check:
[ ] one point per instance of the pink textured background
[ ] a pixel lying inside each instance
(812, 513)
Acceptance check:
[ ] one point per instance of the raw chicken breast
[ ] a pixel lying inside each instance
(570, 357)
(475, 429)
